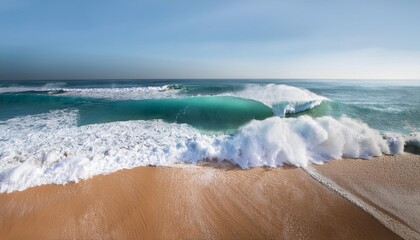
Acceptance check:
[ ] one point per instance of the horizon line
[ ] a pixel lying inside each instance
(188, 78)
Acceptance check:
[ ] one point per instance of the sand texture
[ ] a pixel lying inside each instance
(390, 184)
(188, 202)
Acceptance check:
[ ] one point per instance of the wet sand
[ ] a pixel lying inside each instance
(390, 184)
(188, 203)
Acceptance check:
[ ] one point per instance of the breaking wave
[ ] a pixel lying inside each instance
(52, 148)
(283, 99)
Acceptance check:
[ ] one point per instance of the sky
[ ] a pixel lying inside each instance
(323, 39)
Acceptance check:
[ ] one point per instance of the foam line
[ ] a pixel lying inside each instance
(395, 226)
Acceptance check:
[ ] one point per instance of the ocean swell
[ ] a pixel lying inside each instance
(282, 99)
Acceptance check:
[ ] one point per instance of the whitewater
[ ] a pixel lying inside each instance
(164, 125)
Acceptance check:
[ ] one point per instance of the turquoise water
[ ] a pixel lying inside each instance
(383, 105)
(386, 106)
(64, 131)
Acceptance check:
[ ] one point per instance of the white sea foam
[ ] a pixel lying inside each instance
(16, 89)
(396, 141)
(132, 93)
(281, 98)
(128, 93)
(50, 148)
(54, 85)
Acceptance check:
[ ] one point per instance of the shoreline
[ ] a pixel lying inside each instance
(194, 202)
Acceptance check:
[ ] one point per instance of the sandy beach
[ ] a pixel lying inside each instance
(387, 184)
(290, 120)
(218, 202)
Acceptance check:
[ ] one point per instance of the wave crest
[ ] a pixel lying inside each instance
(283, 99)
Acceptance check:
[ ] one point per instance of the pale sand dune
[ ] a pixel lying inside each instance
(187, 203)
(390, 184)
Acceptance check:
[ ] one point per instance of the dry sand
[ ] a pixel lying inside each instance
(188, 203)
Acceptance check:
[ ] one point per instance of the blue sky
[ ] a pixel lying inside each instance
(57, 39)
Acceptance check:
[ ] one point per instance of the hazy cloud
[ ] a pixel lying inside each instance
(207, 39)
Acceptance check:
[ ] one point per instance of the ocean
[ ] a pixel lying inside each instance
(65, 131)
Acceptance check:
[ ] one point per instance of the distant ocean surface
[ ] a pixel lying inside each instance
(62, 131)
